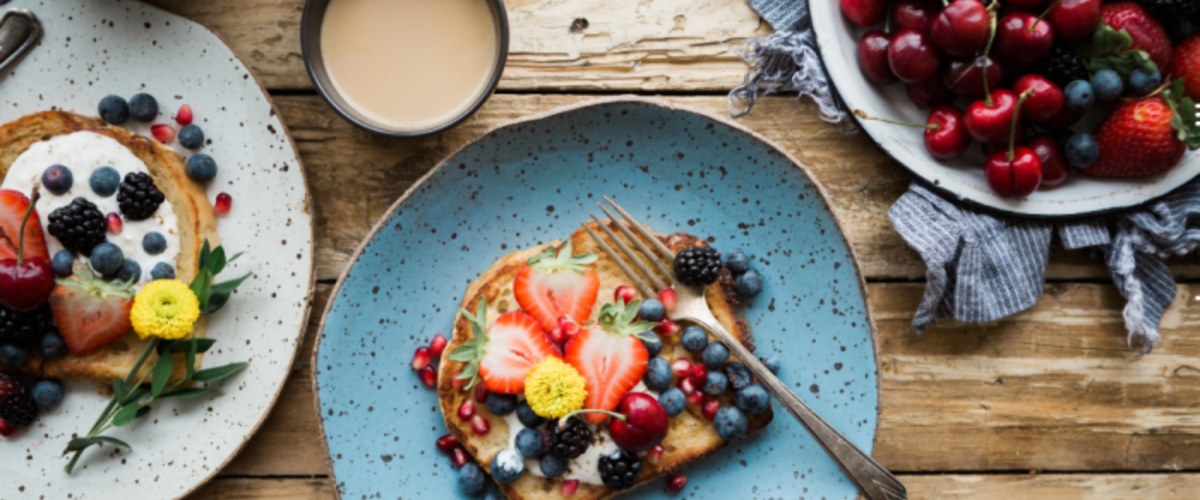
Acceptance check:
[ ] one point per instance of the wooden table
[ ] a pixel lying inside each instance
(1047, 404)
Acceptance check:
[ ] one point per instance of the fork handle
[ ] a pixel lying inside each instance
(872, 480)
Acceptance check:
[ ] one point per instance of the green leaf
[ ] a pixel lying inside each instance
(235, 257)
(118, 387)
(220, 372)
(80, 444)
(205, 252)
(160, 374)
(136, 395)
(215, 302)
(216, 261)
(113, 441)
(183, 346)
(201, 286)
(129, 413)
(229, 286)
(183, 394)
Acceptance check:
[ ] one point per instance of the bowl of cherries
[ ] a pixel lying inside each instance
(1041, 108)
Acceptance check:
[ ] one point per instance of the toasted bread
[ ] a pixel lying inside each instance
(197, 222)
(691, 436)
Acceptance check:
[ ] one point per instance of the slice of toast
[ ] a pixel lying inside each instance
(691, 436)
(197, 222)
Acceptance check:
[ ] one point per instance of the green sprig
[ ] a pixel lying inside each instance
(473, 350)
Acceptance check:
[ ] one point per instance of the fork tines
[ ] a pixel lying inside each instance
(656, 281)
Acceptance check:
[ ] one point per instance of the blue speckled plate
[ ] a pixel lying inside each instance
(536, 180)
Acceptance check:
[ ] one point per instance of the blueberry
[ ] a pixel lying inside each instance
(53, 345)
(753, 399)
(1179, 28)
(749, 284)
(107, 259)
(694, 339)
(1079, 95)
(652, 342)
(673, 401)
(114, 109)
(471, 478)
(1108, 85)
(658, 375)
(62, 263)
(154, 243)
(529, 443)
(58, 179)
(201, 167)
(739, 376)
(737, 262)
(715, 355)
(1142, 82)
(162, 271)
(553, 466)
(527, 417)
(130, 272)
(143, 108)
(716, 384)
(651, 310)
(771, 362)
(501, 404)
(507, 466)
(47, 393)
(1082, 150)
(730, 423)
(191, 137)
(13, 356)
(105, 181)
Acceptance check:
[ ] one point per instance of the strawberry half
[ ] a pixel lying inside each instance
(610, 356)
(551, 286)
(503, 353)
(13, 206)
(89, 312)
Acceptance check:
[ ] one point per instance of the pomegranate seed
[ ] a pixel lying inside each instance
(696, 399)
(114, 223)
(698, 375)
(568, 488)
(624, 292)
(437, 345)
(687, 386)
(667, 327)
(466, 410)
(654, 455)
(447, 443)
(428, 376)
(459, 457)
(710, 408)
(677, 482)
(223, 204)
(164, 133)
(421, 358)
(184, 115)
(681, 367)
(557, 335)
(481, 393)
(456, 382)
(6, 430)
(668, 299)
(480, 425)
(570, 328)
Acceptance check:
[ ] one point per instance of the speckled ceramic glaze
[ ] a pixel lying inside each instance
(530, 182)
(92, 48)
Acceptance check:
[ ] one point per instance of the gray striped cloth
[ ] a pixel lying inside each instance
(980, 267)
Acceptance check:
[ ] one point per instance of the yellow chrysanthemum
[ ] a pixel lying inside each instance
(554, 388)
(165, 309)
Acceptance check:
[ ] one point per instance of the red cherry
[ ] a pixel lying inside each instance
(962, 28)
(989, 148)
(1025, 4)
(873, 57)
(26, 283)
(1046, 101)
(947, 138)
(990, 122)
(912, 56)
(644, 426)
(1014, 177)
(1054, 166)
(1022, 39)
(1075, 19)
(184, 116)
(1064, 119)
(915, 14)
(224, 204)
(930, 93)
(676, 482)
(864, 12)
(624, 293)
(965, 78)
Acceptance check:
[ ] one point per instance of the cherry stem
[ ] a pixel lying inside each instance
(945, 3)
(1044, 14)
(615, 415)
(887, 21)
(987, 92)
(862, 114)
(1012, 131)
(21, 240)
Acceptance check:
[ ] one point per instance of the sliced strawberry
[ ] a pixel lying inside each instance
(610, 356)
(503, 353)
(90, 312)
(551, 286)
(13, 206)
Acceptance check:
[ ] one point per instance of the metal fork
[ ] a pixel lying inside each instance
(872, 480)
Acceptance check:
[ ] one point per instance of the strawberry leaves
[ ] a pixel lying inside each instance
(1184, 116)
(620, 319)
(1110, 49)
(472, 351)
(564, 261)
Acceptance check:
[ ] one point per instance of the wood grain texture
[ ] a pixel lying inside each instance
(623, 45)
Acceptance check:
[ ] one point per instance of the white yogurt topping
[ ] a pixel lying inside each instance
(83, 153)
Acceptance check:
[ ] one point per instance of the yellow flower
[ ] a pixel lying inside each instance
(165, 309)
(554, 388)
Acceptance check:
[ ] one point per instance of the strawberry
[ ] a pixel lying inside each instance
(551, 286)
(90, 312)
(1147, 34)
(610, 356)
(1185, 64)
(13, 206)
(503, 353)
(1144, 137)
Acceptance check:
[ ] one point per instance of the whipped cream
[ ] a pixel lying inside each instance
(83, 153)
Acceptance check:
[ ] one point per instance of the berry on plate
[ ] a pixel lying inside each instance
(864, 12)
(1138, 139)
(13, 206)
(1147, 35)
(503, 353)
(551, 286)
(1185, 64)
(610, 356)
(17, 406)
(1017, 171)
(962, 28)
(90, 312)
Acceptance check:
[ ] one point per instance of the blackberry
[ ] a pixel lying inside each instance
(24, 328)
(78, 226)
(570, 439)
(17, 407)
(1062, 65)
(619, 470)
(138, 197)
(1170, 9)
(698, 266)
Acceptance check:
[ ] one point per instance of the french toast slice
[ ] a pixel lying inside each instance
(197, 222)
(691, 436)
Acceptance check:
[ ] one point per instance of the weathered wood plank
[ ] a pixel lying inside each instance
(622, 45)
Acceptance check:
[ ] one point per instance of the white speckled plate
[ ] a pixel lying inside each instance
(92, 48)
